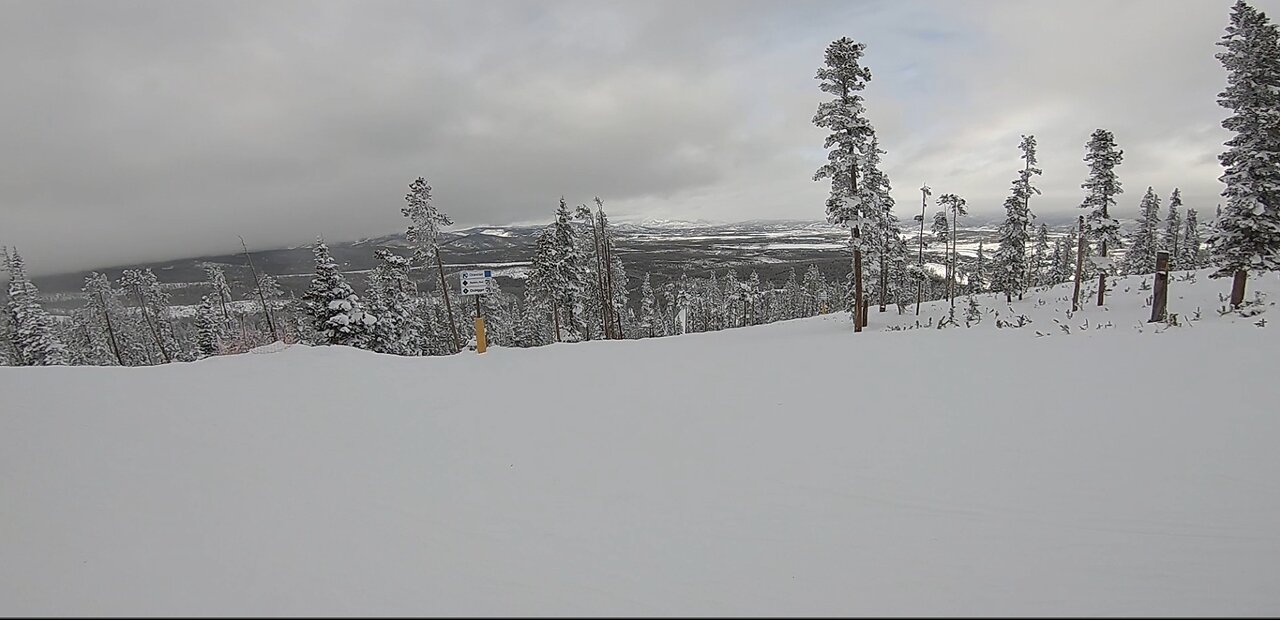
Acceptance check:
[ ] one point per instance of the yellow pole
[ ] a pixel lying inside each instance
(480, 340)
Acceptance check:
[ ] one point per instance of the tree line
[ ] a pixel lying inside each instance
(579, 289)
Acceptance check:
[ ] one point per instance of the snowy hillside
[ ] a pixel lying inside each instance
(789, 469)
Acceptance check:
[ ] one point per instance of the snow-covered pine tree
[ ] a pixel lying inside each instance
(941, 231)
(208, 327)
(336, 313)
(1246, 237)
(882, 236)
(814, 292)
(425, 221)
(8, 348)
(569, 271)
(153, 305)
(595, 303)
(733, 300)
(749, 293)
(1192, 248)
(34, 336)
(1171, 241)
(1054, 273)
(843, 77)
(978, 279)
(791, 296)
(104, 320)
(615, 275)
(1141, 258)
(1011, 266)
(955, 208)
(1011, 258)
(217, 281)
(1101, 189)
(390, 297)
(1040, 257)
(648, 307)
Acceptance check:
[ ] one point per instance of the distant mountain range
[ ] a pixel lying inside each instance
(662, 248)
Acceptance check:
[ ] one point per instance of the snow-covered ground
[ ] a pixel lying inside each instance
(789, 469)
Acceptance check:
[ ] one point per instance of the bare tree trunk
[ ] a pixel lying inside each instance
(555, 316)
(142, 305)
(1102, 275)
(1237, 288)
(857, 282)
(1075, 294)
(111, 333)
(444, 288)
(924, 203)
(271, 324)
(600, 286)
(608, 274)
(955, 259)
(884, 279)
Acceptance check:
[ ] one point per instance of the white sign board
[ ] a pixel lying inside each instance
(477, 282)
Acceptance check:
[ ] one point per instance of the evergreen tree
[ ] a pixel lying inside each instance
(1171, 242)
(425, 221)
(336, 313)
(1192, 250)
(1246, 237)
(390, 296)
(978, 279)
(153, 305)
(1055, 274)
(882, 235)
(814, 292)
(1011, 264)
(847, 141)
(217, 280)
(1141, 258)
(648, 314)
(208, 327)
(1101, 189)
(35, 340)
(1040, 258)
(570, 271)
(791, 295)
(955, 206)
(105, 323)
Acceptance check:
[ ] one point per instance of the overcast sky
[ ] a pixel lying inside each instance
(138, 131)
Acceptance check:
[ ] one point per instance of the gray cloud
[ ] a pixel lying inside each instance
(145, 130)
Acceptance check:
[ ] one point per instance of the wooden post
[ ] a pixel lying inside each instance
(1237, 288)
(480, 338)
(1160, 299)
(1075, 294)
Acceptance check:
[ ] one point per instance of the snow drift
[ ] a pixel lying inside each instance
(788, 469)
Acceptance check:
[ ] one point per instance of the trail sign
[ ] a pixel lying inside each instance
(477, 282)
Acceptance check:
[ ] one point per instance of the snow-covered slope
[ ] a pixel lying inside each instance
(790, 469)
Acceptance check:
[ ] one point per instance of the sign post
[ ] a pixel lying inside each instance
(477, 283)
